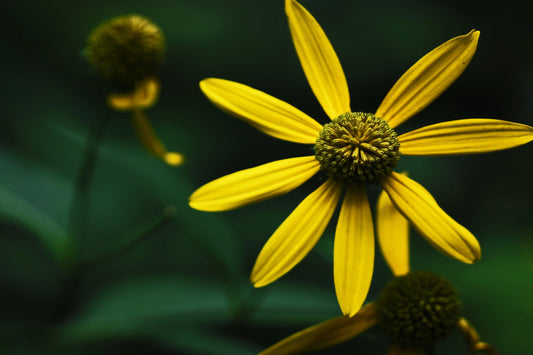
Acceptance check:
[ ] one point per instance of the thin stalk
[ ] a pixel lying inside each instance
(77, 223)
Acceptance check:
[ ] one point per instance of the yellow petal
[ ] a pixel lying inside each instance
(427, 79)
(470, 136)
(145, 95)
(326, 334)
(149, 139)
(353, 251)
(393, 236)
(253, 185)
(266, 113)
(319, 61)
(420, 208)
(297, 235)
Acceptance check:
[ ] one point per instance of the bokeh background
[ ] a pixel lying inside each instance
(183, 287)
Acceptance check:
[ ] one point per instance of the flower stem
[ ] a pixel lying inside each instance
(77, 222)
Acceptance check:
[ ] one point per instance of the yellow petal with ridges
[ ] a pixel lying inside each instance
(149, 139)
(393, 235)
(427, 79)
(253, 185)
(297, 235)
(266, 113)
(417, 205)
(319, 61)
(144, 96)
(326, 334)
(353, 251)
(468, 136)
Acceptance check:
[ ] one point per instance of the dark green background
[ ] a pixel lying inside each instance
(184, 290)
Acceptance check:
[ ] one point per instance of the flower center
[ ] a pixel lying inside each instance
(419, 308)
(357, 146)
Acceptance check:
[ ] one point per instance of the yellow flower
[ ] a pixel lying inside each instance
(127, 51)
(354, 149)
(417, 309)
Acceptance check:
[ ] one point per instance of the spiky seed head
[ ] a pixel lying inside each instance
(418, 309)
(126, 49)
(357, 146)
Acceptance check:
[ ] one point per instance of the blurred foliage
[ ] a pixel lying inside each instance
(183, 289)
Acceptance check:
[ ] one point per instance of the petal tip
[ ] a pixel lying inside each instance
(204, 83)
(475, 34)
(477, 256)
(198, 204)
(353, 312)
(349, 310)
(174, 158)
(193, 205)
(256, 281)
(476, 251)
(472, 36)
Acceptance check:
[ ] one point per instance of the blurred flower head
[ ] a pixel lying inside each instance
(418, 309)
(126, 49)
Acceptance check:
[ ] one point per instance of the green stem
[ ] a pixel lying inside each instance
(77, 223)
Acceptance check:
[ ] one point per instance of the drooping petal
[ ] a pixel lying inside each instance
(319, 61)
(440, 230)
(326, 334)
(469, 136)
(255, 184)
(472, 337)
(149, 139)
(393, 236)
(297, 235)
(144, 95)
(266, 113)
(427, 79)
(353, 251)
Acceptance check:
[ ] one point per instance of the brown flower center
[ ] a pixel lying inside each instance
(357, 146)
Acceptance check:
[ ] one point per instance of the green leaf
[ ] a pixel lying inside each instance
(15, 209)
(138, 305)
